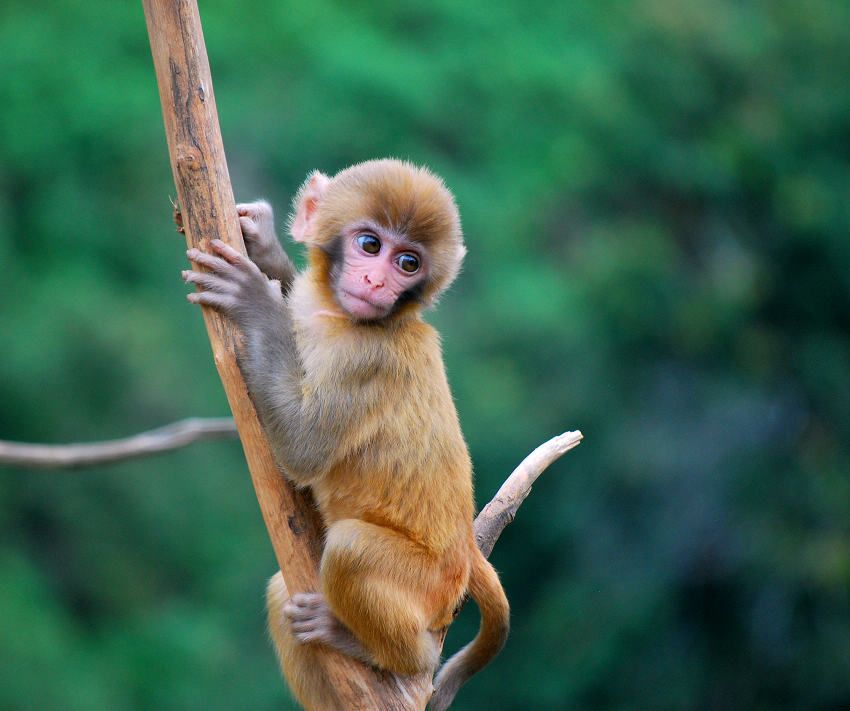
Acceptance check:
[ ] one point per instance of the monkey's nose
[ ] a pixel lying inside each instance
(376, 281)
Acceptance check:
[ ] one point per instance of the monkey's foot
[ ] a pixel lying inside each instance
(312, 621)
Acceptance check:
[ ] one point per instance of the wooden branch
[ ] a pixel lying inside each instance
(89, 454)
(493, 518)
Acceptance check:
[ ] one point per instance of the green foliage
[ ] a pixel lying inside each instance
(655, 197)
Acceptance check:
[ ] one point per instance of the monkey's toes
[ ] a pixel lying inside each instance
(311, 626)
(309, 619)
(303, 606)
(310, 600)
(311, 635)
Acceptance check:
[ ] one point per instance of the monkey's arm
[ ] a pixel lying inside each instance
(257, 222)
(302, 434)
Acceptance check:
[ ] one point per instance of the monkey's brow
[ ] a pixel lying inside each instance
(398, 238)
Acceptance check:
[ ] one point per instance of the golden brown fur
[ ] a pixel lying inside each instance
(361, 413)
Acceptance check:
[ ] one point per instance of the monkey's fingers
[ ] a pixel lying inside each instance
(214, 264)
(211, 282)
(250, 229)
(233, 257)
(255, 210)
(246, 209)
(221, 302)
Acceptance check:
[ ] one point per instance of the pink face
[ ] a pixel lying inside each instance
(378, 267)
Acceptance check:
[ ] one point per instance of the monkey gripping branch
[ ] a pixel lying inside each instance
(320, 354)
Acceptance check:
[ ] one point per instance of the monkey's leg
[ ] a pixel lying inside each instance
(298, 661)
(376, 582)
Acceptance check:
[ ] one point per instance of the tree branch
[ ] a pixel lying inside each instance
(501, 510)
(89, 454)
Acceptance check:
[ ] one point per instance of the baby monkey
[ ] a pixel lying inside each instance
(350, 386)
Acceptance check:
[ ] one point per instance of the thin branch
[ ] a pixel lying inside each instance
(72, 456)
(501, 510)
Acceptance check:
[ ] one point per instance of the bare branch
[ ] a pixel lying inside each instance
(72, 456)
(502, 509)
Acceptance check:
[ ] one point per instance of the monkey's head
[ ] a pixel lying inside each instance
(384, 237)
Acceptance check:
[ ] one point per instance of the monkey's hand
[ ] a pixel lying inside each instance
(257, 222)
(234, 285)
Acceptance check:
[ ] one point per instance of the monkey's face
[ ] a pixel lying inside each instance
(415, 246)
(377, 271)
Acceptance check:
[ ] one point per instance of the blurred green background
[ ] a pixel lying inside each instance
(655, 197)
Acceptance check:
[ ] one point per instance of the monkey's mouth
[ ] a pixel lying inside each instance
(362, 307)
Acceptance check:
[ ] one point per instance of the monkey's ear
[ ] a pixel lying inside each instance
(305, 204)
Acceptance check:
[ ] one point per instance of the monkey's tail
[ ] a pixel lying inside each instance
(486, 590)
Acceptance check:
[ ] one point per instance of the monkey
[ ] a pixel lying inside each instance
(349, 383)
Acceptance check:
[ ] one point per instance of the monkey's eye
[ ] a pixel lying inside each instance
(369, 243)
(408, 262)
